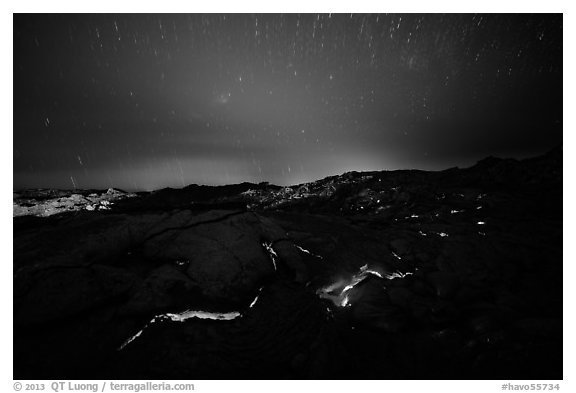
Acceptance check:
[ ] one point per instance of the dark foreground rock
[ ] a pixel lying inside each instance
(383, 275)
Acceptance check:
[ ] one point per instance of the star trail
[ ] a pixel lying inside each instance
(145, 101)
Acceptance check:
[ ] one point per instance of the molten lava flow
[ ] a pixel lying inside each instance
(256, 298)
(188, 314)
(394, 275)
(134, 337)
(181, 317)
(271, 252)
(341, 298)
(308, 252)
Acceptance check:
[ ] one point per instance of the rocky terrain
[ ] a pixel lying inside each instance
(46, 202)
(454, 274)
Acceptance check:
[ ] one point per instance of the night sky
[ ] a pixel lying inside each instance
(141, 102)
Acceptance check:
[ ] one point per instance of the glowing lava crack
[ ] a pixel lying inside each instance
(342, 299)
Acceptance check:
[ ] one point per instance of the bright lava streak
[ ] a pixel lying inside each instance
(134, 337)
(308, 252)
(271, 252)
(255, 299)
(188, 314)
(181, 317)
(394, 275)
(342, 299)
(374, 273)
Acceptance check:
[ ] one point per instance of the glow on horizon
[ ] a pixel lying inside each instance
(178, 172)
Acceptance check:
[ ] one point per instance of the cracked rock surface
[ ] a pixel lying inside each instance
(381, 275)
